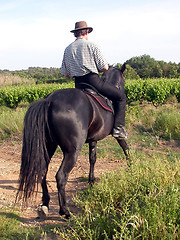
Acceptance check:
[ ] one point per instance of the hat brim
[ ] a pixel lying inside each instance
(77, 29)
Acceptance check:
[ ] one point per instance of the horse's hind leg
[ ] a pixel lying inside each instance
(92, 160)
(45, 197)
(43, 210)
(68, 163)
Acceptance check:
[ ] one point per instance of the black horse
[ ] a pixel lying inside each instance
(68, 118)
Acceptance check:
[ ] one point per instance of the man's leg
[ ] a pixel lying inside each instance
(117, 96)
(119, 121)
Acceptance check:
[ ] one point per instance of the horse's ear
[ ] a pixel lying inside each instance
(123, 67)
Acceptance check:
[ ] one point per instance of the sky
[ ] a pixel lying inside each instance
(34, 33)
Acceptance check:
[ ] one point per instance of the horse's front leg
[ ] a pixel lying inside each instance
(92, 160)
(125, 148)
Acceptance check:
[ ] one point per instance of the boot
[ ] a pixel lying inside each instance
(119, 132)
(119, 121)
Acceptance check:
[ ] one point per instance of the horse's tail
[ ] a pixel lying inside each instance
(35, 157)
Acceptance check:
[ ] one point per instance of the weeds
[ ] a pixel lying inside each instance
(141, 203)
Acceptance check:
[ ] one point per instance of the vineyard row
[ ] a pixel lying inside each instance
(156, 91)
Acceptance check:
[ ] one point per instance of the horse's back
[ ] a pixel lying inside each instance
(70, 113)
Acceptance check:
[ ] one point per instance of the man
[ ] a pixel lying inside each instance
(83, 61)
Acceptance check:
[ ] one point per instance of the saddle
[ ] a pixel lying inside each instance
(103, 101)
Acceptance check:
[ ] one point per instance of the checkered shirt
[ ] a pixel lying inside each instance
(82, 57)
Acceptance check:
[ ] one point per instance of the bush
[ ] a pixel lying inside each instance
(134, 90)
(157, 91)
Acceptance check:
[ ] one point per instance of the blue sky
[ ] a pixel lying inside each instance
(36, 32)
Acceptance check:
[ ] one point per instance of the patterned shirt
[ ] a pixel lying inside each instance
(82, 57)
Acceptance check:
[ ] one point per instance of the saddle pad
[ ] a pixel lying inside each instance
(104, 103)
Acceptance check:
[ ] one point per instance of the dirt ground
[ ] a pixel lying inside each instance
(10, 157)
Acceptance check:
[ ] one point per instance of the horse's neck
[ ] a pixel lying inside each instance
(112, 76)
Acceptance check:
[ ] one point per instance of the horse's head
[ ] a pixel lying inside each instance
(114, 75)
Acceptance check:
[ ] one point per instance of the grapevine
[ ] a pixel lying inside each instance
(156, 91)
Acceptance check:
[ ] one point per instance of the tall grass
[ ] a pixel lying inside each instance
(168, 124)
(162, 121)
(137, 203)
(11, 121)
(7, 79)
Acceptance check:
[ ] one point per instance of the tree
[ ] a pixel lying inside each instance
(145, 66)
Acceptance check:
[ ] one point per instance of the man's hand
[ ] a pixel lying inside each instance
(105, 68)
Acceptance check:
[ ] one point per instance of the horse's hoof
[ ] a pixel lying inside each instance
(43, 211)
(91, 182)
(65, 213)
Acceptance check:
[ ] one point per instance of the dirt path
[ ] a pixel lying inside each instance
(10, 157)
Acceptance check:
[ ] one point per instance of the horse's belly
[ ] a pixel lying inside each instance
(100, 127)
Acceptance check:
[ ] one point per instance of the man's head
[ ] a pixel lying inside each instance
(81, 29)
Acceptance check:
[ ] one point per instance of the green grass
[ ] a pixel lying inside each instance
(140, 202)
(137, 203)
(11, 227)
